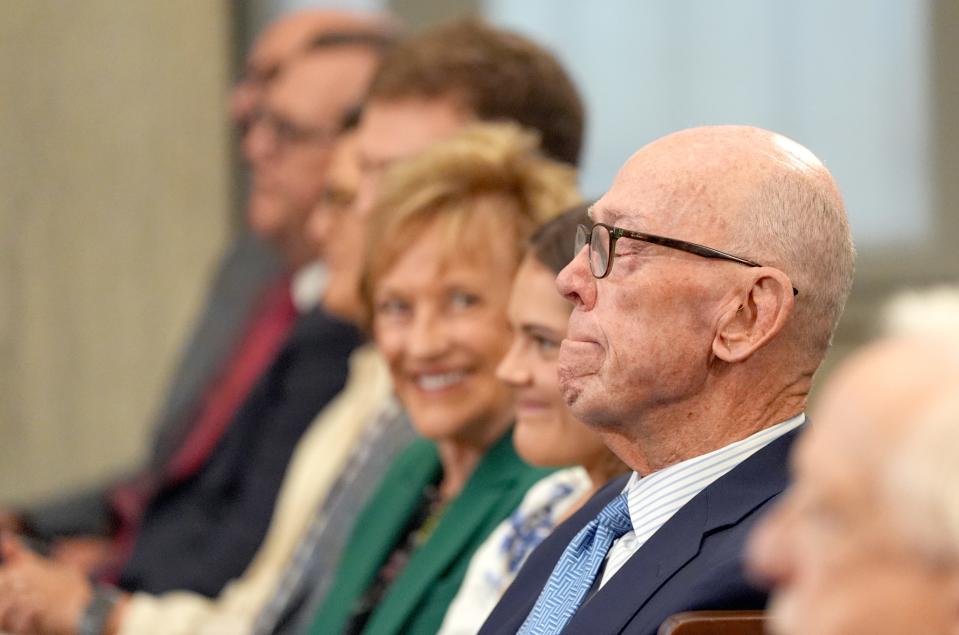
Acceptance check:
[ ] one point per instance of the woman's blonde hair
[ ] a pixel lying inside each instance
(489, 182)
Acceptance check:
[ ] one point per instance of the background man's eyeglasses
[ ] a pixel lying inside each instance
(288, 133)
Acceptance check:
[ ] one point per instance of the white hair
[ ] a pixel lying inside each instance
(917, 311)
(921, 481)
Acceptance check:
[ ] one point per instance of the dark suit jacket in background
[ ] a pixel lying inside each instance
(694, 561)
(249, 268)
(246, 269)
(202, 532)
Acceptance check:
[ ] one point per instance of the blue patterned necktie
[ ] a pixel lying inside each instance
(576, 569)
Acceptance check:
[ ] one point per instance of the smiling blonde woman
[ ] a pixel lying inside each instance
(448, 234)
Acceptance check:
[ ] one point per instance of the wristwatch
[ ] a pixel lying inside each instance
(97, 612)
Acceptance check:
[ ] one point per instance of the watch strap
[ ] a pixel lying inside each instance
(97, 612)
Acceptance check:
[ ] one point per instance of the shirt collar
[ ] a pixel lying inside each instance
(308, 285)
(684, 475)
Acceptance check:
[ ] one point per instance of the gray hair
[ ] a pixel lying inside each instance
(796, 221)
(921, 481)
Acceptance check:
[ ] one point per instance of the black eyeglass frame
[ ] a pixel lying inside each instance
(290, 133)
(584, 237)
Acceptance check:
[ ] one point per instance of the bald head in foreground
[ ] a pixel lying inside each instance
(705, 296)
(867, 538)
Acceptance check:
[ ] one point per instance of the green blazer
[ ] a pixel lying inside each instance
(417, 600)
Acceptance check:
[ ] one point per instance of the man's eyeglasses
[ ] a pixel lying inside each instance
(602, 238)
(288, 133)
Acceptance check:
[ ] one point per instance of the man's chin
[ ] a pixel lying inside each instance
(579, 401)
(570, 386)
(267, 220)
(570, 394)
(342, 303)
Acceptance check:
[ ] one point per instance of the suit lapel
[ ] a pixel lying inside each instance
(467, 514)
(521, 596)
(675, 544)
(399, 499)
(724, 503)
(376, 532)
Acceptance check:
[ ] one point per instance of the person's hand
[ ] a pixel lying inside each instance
(87, 554)
(37, 596)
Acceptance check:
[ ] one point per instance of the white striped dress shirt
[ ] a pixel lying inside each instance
(654, 499)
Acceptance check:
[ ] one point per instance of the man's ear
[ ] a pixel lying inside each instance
(761, 315)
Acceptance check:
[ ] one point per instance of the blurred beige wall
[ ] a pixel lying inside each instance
(114, 204)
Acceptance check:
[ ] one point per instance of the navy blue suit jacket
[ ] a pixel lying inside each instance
(200, 533)
(694, 562)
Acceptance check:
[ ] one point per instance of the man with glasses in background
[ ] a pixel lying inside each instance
(195, 519)
(220, 498)
(694, 363)
(248, 309)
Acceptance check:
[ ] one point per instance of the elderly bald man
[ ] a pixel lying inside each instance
(867, 538)
(705, 295)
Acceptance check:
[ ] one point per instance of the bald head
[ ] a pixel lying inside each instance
(716, 167)
(756, 194)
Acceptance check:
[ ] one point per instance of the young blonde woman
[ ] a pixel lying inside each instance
(546, 434)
